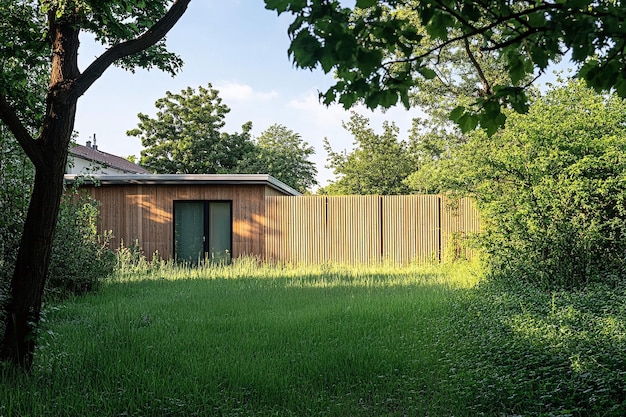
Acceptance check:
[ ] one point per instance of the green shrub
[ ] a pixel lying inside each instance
(80, 257)
(551, 189)
(16, 177)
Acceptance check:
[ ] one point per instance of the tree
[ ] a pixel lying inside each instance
(134, 34)
(379, 51)
(551, 188)
(283, 154)
(378, 164)
(185, 136)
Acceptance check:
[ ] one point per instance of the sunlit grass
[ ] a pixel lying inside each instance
(330, 340)
(247, 339)
(310, 275)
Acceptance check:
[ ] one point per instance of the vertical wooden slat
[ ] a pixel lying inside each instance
(296, 229)
(410, 228)
(354, 229)
(459, 219)
(365, 229)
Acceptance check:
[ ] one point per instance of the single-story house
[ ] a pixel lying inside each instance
(186, 217)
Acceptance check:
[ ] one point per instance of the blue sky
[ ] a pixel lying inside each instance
(241, 49)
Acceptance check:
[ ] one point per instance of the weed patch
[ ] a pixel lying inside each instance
(528, 352)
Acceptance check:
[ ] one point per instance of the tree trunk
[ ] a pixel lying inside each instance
(49, 155)
(22, 312)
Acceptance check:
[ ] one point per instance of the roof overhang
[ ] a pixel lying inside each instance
(184, 179)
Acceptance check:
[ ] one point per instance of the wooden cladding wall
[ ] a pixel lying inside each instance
(144, 213)
(367, 229)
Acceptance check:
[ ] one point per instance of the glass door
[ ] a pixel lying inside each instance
(202, 229)
(220, 230)
(189, 228)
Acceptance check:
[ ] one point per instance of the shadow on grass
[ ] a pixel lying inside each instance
(527, 352)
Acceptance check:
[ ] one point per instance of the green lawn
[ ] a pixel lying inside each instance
(325, 341)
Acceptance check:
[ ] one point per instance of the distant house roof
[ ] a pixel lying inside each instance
(92, 154)
(187, 179)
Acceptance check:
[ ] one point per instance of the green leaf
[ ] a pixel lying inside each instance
(439, 25)
(305, 49)
(427, 73)
(491, 108)
(470, 11)
(346, 99)
(296, 25)
(364, 4)
(278, 5)
(344, 48)
(620, 87)
(369, 60)
(517, 66)
(411, 34)
(492, 123)
(297, 5)
(456, 114)
(388, 98)
(468, 122)
(327, 61)
(539, 56)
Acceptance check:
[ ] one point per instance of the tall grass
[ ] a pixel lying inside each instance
(245, 339)
(263, 340)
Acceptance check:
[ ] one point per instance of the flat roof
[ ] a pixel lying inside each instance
(185, 179)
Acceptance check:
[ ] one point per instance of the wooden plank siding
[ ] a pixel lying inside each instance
(411, 228)
(144, 213)
(459, 218)
(353, 233)
(366, 229)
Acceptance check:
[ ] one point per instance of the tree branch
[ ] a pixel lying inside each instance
(512, 41)
(479, 70)
(133, 46)
(481, 30)
(26, 141)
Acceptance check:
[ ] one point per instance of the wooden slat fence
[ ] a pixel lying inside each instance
(367, 229)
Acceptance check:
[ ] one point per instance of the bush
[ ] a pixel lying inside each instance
(80, 257)
(552, 187)
(16, 177)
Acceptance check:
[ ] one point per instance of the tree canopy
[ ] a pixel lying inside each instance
(186, 136)
(381, 50)
(283, 153)
(378, 164)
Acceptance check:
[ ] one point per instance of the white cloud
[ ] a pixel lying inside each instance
(317, 112)
(242, 92)
(331, 117)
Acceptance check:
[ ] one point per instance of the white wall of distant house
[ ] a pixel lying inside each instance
(83, 166)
